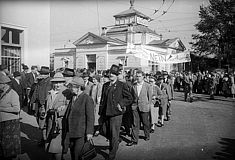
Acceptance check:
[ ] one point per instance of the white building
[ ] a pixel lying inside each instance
(129, 42)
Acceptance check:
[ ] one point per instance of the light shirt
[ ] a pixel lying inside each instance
(139, 87)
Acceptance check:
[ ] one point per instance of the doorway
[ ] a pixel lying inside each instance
(91, 61)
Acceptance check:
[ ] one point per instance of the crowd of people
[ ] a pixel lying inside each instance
(73, 106)
(211, 83)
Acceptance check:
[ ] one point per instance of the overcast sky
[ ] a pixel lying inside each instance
(72, 19)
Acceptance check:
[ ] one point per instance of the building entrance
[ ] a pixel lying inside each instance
(91, 61)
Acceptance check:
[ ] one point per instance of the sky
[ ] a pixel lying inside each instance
(70, 20)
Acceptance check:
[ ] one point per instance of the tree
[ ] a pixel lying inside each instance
(216, 29)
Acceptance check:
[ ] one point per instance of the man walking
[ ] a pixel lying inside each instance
(114, 99)
(141, 108)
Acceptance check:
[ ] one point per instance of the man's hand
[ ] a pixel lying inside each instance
(119, 107)
(89, 137)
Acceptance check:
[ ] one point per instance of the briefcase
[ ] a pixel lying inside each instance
(88, 151)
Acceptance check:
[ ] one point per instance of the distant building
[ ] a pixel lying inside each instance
(25, 34)
(129, 42)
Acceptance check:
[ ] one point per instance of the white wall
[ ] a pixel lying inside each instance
(35, 17)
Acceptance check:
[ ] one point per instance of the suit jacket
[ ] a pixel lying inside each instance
(144, 100)
(19, 89)
(24, 80)
(170, 88)
(29, 80)
(165, 91)
(112, 95)
(81, 116)
(41, 90)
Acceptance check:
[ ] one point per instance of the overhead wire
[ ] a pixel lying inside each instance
(163, 12)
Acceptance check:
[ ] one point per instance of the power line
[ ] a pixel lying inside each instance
(163, 12)
(97, 7)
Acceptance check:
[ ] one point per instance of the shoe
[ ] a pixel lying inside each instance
(131, 143)
(160, 125)
(151, 130)
(147, 139)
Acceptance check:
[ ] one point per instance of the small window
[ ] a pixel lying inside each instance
(16, 37)
(122, 21)
(5, 35)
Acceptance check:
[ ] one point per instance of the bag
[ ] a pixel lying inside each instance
(23, 156)
(157, 103)
(88, 151)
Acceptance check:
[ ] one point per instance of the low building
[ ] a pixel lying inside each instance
(25, 34)
(131, 43)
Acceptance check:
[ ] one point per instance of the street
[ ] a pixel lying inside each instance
(201, 130)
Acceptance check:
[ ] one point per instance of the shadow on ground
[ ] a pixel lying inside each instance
(227, 149)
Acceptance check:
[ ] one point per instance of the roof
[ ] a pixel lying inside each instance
(131, 11)
(166, 43)
(102, 39)
(139, 28)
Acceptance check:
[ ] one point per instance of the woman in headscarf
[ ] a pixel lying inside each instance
(10, 145)
(55, 109)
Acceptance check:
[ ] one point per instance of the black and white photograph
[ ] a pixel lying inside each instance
(117, 80)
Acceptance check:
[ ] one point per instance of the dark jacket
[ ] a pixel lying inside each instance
(29, 80)
(81, 117)
(112, 95)
(41, 90)
(19, 89)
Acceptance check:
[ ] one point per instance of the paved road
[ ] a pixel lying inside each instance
(202, 130)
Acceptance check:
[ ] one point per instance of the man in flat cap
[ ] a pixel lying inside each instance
(115, 98)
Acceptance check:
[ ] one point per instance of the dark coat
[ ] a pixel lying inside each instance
(41, 91)
(24, 80)
(112, 95)
(19, 90)
(30, 79)
(81, 117)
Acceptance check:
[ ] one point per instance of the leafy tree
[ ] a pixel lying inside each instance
(216, 29)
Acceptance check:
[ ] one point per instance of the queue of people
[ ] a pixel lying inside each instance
(73, 106)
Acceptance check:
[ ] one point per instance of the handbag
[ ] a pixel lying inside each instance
(157, 103)
(88, 151)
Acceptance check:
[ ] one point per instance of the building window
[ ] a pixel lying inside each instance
(11, 58)
(11, 48)
(123, 61)
(122, 21)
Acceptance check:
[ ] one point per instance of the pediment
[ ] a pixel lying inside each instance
(88, 39)
(177, 44)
